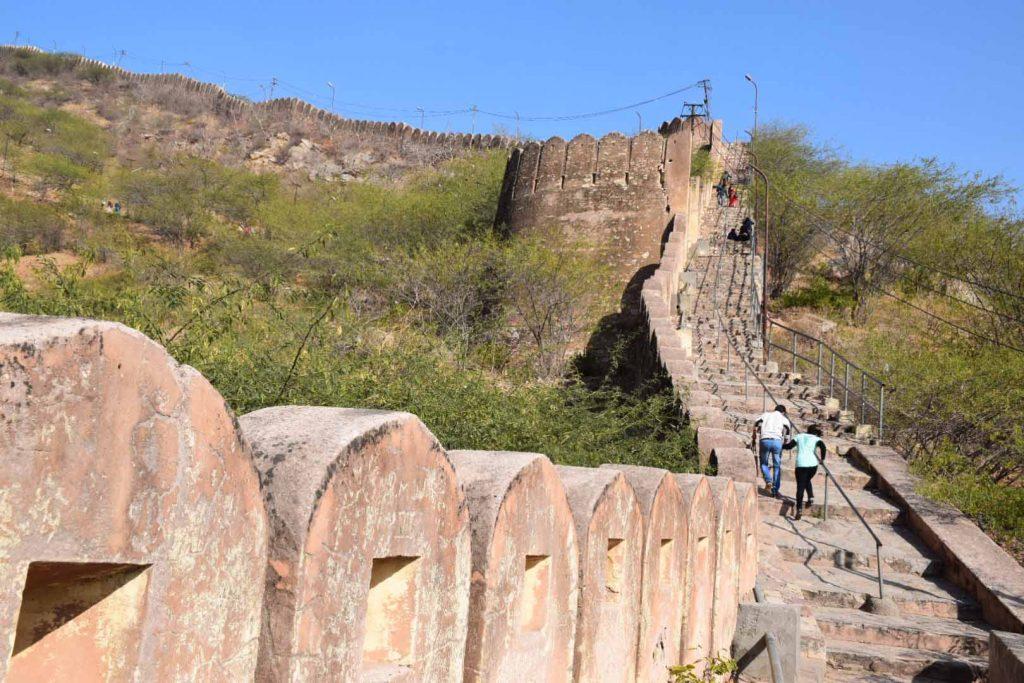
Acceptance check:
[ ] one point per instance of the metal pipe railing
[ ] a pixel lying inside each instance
(869, 409)
(828, 472)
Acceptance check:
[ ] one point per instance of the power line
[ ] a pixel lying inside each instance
(593, 114)
(1004, 316)
(900, 255)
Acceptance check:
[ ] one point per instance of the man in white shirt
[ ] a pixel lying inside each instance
(770, 431)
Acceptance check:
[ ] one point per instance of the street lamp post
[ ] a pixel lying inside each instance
(753, 83)
(331, 86)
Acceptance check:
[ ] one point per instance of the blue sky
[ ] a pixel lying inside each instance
(884, 80)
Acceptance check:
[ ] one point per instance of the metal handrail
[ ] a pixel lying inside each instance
(828, 472)
(867, 405)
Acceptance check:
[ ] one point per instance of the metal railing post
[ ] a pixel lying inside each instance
(863, 399)
(832, 376)
(825, 507)
(846, 387)
(881, 409)
(819, 365)
(794, 352)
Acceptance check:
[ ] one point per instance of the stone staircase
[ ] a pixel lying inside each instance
(828, 567)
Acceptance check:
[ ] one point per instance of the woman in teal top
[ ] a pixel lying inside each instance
(810, 449)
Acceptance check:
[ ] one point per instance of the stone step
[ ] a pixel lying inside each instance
(916, 632)
(916, 664)
(846, 543)
(846, 676)
(854, 588)
(875, 509)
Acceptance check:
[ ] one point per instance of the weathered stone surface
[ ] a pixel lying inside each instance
(700, 566)
(609, 531)
(1005, 657)
(710, 438)
(727, 563)
(664, 561)
(368, 575)
(616, 194)
(749, 647)
(738, 464)
(525, 581)
(749, 521)
(972, 559)
(124, 488)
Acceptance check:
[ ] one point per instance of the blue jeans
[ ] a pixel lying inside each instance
(772, 447)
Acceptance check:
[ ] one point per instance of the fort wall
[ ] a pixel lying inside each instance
(616, 195)
(227, 104)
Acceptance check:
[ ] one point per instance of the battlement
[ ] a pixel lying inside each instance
(150, 535)
(226, 103)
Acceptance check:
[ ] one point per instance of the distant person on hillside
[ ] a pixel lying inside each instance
(810, 450)
(770, 431)
(734, 198)
(720, 191)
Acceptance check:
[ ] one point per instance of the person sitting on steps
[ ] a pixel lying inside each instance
(746, 229)
(810, 450)
(769, 433)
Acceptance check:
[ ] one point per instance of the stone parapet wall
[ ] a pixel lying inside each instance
(226, 103)
(617, 195)
(148, 535)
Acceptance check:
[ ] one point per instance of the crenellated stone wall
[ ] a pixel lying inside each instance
(225, 103)
(148, 535)
(617, 195)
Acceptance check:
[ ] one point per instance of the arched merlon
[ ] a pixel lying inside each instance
(125, 486)
(746, 499)
(609, 533)
(369, 552)
(615, 195)
(290, 106)
(524, 590)
(727, 564)
(664, 558)
(700, 567)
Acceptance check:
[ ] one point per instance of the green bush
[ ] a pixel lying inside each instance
(32, 228)
(819, 294)
(33, 64)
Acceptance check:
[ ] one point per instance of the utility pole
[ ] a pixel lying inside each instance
(120, 55)
(17, 34)
(331, 86)
(273, 84)
(706, 84)
(420, 110)
(474, 110)
(639, 123)
(517, 126)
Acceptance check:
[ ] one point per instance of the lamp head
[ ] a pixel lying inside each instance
(748, 77)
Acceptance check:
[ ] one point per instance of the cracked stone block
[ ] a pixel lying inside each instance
(664, 562)
(368, 570)
(133, 532)
(749, 518)
(525, 580)
(727, 564)
(699, 510)
(609, 532)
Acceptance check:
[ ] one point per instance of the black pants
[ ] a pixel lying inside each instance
(803, 483)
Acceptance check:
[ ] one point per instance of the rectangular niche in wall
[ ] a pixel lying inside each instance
(613, 564)
(390, 611)
(665, 560)
(533, 606)
(79, 620)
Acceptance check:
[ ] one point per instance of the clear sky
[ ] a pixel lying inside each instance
(887, 81)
